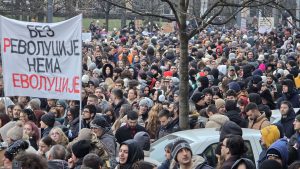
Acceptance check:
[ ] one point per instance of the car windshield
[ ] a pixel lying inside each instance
(157, 150)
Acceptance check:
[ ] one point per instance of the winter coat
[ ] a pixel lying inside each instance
(198, 162)
(117, 107)
(125, 132)
(108, 139)
(291, 95)
(229, 163)
(281, 146)
(57, 164)
(249, 164)
(46, 132)
(168, 129)
(287, 123)
(73, 127)
(262, 156)
(234, 116)
(164, 165)
(259, 123)
(216, 121)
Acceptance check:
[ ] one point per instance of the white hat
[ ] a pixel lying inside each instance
(85, 79)
(261, 57)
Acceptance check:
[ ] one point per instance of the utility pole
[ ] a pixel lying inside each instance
(49, 11)
(298, 12)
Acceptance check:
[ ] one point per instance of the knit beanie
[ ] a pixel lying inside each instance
(197, 96)
(48, 119)
(62, 103)
(234, 86)
(298, 117)
(15, 133)
(219, 103)
(85, 79)
(273, 152)
(81, 148)
(178, 145)
(270, 134)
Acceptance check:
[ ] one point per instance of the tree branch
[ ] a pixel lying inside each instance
(140, 13)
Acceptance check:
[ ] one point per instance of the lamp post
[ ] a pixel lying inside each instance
(49, 11)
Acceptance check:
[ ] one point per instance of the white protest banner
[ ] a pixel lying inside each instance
(265, 24)
(42, 59)
(87, 36)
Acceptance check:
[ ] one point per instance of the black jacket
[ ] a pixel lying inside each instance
(287, 123)
(171, 127)
(57, 164)
(234, 116)
(125, 132)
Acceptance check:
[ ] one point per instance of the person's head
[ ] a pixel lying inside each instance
(211, 110)
(144, 105)
(164, 117)
(89, 112)
(132, 94)
(27, 115)
(208, 95)
(51, 102)
(199, 99)
(61, 105)
(31, 161)
(297, 123)
(168, 151)
(269, 135)
(17, 110)
(92, 100)
(80, 149)
(132, 118)
(119, 84)
(285, 107)
(47, 120)
(182, 152)
(58, 135)
(243, 163)
(233, 145)
(45, 144)
(99, 126)
(220, 105)
(270, 164)
(92, 161)
(72, 113)
(34, 104)
(279, 151)
(57, 152)
(130, 152)
(31, 130)
(252, 111)
(117, 94)
(231, 95)
(143, 140)
(15, 133)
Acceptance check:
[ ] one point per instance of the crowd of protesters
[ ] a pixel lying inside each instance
(130, 98)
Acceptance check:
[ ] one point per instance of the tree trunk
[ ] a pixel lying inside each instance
(183, 69)
(107, 10)
(184, 83)
(123, 17)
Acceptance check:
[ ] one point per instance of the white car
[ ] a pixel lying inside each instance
(204, 142)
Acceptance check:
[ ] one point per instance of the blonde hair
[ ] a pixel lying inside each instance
(153, 121)
(63, 138)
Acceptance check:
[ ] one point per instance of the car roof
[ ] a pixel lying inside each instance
(197, 134)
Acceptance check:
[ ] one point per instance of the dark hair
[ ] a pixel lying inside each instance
(92, 109)
(93, 96)
(74, 110)
(231, 93)
(164, 113)
(230, 105)
(251, 106)
(236, 145)
(118, 93)
(132, 115)
(48, 141)
(58, 152)
(92, 160)
(212, 108)
(31, 161)
(15, 148)
(4, 119)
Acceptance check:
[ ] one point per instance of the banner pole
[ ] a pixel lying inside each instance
(80, 106)
(3, 81)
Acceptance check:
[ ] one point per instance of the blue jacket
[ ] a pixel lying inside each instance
(281, 146)
(164, 165)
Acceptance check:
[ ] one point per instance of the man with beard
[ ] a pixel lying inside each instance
(274, 87)
(257, 120)
(166, 124)
(89, 112)
(129, 130)
(287, 118)
(232, 149)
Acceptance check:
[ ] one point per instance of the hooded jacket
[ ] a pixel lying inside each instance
(249, 164)
(291, 96)
(233, 113)
(135, 154)
(57, 164)
(281, 146)
(286, 123)
(216, 121)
